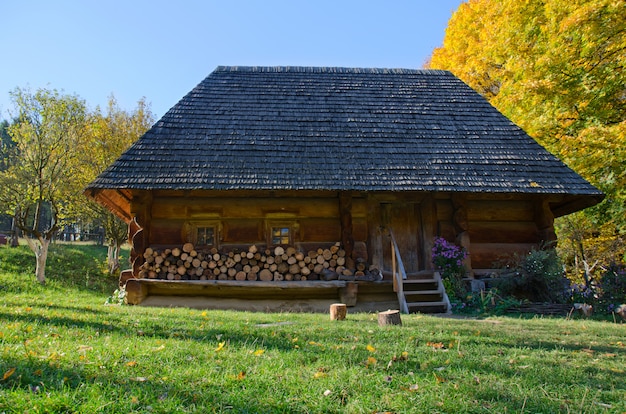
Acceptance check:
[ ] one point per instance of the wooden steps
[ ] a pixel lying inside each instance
(425, 294)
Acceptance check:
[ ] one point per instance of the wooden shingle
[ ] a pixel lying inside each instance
(317, 128)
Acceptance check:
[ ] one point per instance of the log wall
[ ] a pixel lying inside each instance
(316, 221)
(497, 227)
(491, 227)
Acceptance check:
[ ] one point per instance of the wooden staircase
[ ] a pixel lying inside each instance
(423, 292)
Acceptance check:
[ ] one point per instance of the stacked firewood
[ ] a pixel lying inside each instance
(277, 264)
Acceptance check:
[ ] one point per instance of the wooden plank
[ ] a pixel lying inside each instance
(500, 210)
(360, 228)
(503, 232)
(233, 207)
(374, 237)
(345, 220)
(428, 231)
(166, 232)
(242, 231)
(488, 255)
(245, 289)
(319, 230)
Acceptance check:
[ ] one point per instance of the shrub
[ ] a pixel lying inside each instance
(448, 260)
(612, 287)
(538, 277)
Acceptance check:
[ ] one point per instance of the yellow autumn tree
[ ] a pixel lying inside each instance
(556, 68)
(107, 135)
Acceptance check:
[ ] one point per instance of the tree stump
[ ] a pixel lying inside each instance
(338, 311)
(390, 317)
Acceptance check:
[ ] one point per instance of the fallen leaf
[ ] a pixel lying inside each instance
(259, 352)
(414, 387)
(241, 375)
(139, 379)
(220, 346)
(371, 361)
(327, 393)
(319, 374)
(370, 348)
(439, 378)
(7, 374)
(435, 345)
(131, 364)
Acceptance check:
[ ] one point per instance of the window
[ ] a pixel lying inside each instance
(281, 235)
(205, 236)
(202, 233)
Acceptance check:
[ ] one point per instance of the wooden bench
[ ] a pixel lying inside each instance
(139, 289)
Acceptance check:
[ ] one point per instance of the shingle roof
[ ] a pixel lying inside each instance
(292, 128)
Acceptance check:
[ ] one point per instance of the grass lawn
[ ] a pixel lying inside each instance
(63, 350)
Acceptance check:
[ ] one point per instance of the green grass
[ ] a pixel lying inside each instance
(63, 350)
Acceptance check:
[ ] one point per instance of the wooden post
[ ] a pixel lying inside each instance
(338, 311)
(390, 317)
(136, 292)
(544, 219)
(348, 294)
(461, 227)
(345, 219)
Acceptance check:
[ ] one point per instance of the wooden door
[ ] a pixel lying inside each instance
(404, 219)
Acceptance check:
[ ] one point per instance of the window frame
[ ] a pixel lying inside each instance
(283, 224)
(194, 226)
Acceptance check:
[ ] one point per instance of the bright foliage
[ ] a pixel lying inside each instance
(556, 69)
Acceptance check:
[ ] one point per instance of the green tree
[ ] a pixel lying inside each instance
(107, 136)
(42, 171)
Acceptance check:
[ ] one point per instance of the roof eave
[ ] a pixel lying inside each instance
(574, 203)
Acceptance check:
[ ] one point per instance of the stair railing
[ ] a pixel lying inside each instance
(399, 273)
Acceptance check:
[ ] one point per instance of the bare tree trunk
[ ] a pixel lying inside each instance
(14, 233)
(39, 247)
(113, 257)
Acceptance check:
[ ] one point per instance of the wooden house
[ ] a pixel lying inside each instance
(362, 167)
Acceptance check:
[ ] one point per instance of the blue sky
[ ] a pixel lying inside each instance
(161, 49)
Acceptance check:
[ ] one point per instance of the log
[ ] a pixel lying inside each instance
(266, 275)
(187, 247)
(338, 311)
(390, 317)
